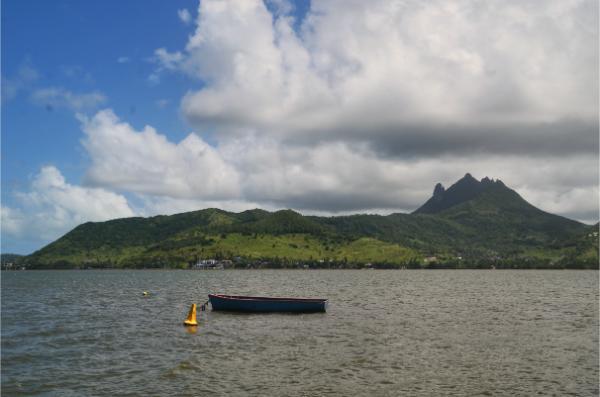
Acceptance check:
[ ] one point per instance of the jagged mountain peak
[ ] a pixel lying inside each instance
(464, 189)
(439, 189)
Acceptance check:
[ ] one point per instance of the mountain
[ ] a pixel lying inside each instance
(471, 224)
(494, 211)
(467, 188)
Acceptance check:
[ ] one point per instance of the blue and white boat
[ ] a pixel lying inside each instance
(261, 304)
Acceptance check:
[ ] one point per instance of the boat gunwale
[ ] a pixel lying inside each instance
(266, 298)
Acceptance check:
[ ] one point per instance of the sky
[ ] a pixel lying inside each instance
(143, 107)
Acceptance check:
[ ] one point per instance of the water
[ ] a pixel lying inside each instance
(386, 333)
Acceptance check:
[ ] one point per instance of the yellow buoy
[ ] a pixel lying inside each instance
(191, 318)
(145, 293)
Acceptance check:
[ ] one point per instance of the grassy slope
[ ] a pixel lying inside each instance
(179, 252)
(501, 222)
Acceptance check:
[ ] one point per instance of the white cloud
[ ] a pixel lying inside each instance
(123, 60)
(365, 67)
(162, 103)
(337, 177)
(77, 74)
(146, 162)
(52, 207)
(334, 177)
(363, 108)
(13, 221)
(167, 60)
(184, 15)
(25, 76)
(368, 103)
(154, 205)
(239, 174)
(154, 78)
(56, 97)
(573, 203)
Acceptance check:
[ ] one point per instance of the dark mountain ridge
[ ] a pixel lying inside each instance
(465, 189)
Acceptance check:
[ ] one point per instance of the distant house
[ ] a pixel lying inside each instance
(204, 264)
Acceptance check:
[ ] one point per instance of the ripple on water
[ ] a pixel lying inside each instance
(385, 333)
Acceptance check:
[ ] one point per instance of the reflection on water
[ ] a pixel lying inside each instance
(192, 329)
(385, 333)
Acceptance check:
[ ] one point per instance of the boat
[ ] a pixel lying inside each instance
(262, 304)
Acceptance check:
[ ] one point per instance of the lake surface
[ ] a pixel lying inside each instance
(386, 333)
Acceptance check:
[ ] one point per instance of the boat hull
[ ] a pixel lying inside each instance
(258, 304)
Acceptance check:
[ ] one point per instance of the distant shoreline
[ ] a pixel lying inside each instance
(297, 269)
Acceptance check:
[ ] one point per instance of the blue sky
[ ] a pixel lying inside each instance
(82, 47)
(123, 108)
(76, 46)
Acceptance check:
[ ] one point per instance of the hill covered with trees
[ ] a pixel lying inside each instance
(472, 224)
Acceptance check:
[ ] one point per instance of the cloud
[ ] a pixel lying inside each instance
(146, 162)
(163, 177)
(76, 73)
(13, 221)
(339, 178)
(406, 75)
(572, 202)
(52, 207)
(363, 106)
(162, 103)
(57, 97)
(185, 16)
(154, 78)
(359, 107)
(559, 138)
(330, 178)
(25, 76)
(123, 59)
(153, 205)
(166, 61)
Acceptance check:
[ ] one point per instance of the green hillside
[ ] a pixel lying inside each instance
(471, 224)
